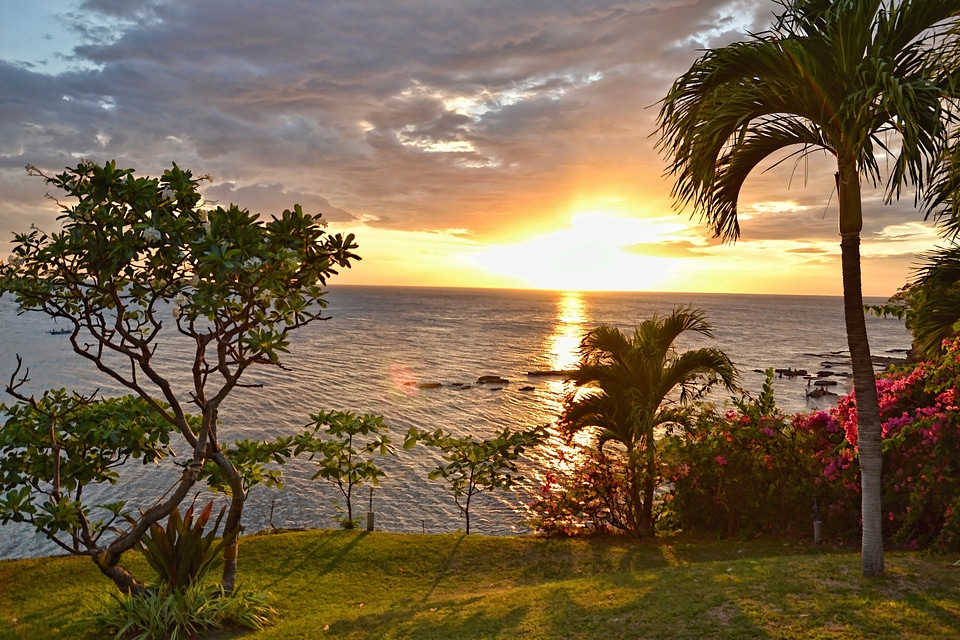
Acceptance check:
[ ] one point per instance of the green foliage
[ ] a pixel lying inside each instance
(182, 613)
(344, 452)
(54, 447)
(929, 305)
(257, 462)
(473, 466)
(180, 553)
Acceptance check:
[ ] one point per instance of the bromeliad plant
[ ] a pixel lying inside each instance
(136, 259)
(181, 553)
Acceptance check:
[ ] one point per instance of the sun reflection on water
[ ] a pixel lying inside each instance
(561, 352)
(563, 345)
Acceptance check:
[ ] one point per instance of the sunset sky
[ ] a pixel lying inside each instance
(494, 143)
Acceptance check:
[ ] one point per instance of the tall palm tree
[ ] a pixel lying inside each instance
(639, 383)
(845, 76)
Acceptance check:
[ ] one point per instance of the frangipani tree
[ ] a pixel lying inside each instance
(863, 80)
(137, 258)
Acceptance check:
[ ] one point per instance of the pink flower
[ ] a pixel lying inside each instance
(721, 461)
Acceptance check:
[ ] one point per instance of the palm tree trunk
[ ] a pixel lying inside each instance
(864, 380)
(646, 515)
(636, 505)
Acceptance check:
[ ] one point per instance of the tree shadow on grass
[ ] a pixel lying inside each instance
(445, 571)
(442, 620)
(633, 609)
(948, 619)
(307, 557)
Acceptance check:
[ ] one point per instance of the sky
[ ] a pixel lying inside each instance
(502, 143)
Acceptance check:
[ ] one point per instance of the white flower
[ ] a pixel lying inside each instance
(203, 215)
(179, 301)
(14, 260)
(252, 263)
(150, 235)
(206, 227)
(168, 194)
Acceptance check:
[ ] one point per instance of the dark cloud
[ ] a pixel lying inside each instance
(269, 200)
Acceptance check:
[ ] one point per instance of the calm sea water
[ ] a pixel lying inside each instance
(380, 343)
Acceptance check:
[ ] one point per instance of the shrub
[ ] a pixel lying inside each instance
(743, 471)
(921, 436)
(181, 613)
(592, 497)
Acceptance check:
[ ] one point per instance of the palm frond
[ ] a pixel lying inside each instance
(836, 75)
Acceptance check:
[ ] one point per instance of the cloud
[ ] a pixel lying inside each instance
(669, 249)
(272, 199)
(496, 118)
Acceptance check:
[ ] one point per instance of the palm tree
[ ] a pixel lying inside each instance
(930, 304)
(847, 77)
(638, 384)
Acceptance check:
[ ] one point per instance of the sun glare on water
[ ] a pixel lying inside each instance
(592, 254)
(563, 345)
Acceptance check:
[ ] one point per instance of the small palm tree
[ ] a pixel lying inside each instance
(858, 79)
(637, 384)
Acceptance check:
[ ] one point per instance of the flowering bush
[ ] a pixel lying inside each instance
(742, 471)
(590, 498)
(921, 437)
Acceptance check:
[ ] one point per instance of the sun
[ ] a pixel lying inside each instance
(593, 254)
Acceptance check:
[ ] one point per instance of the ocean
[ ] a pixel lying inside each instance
(380, 343)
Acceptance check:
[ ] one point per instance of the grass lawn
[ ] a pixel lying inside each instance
(344, 584)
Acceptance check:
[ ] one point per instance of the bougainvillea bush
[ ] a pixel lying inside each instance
(588, 497)
(921, 465)
(741, 471)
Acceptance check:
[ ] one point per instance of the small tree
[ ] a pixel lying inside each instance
(343, 456)
(635, 384)
(471, 467)
(136, 256)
